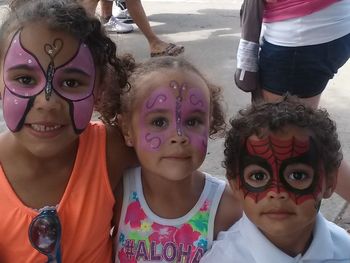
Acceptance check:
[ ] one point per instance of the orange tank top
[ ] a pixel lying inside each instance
(85, 210)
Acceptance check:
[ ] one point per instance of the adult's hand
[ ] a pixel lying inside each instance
(249, 83)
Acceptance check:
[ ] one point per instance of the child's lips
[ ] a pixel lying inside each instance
(177, 157)
(278, 213)
(44, 129)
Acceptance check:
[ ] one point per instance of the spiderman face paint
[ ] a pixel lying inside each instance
(176, 110)
(271, 164)
(47, 66)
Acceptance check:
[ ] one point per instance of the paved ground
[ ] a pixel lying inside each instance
(209, 30)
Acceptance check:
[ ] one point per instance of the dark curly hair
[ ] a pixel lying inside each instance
(136, 71)
(272, 117)
(70, 17)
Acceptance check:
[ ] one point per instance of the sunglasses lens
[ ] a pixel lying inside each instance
(44, 234)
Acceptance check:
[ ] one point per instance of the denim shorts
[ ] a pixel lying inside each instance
(302, 71)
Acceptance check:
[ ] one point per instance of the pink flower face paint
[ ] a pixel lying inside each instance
(21, 91)
(176, 110)
(275, 156)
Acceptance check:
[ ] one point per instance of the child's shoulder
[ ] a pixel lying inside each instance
(5, 139)
(233, 239)
(229, 210)
(119, 156)
(329, 241)
(340, 239)
(213, 179)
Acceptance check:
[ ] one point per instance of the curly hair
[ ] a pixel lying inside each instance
(136, 71)
(272, 117)
(70, 17)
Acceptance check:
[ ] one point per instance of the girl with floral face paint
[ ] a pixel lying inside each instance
(281, 160)
(57, 176)
(171, 212)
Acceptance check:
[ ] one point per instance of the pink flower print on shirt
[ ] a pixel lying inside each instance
(186, 236)
(205, 206)
(162, 234)
(126, 258)
(134, 215)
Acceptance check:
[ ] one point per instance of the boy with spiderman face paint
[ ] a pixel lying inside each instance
(266, 164)
(281, 160)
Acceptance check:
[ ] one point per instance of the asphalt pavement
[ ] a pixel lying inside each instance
(209, 30)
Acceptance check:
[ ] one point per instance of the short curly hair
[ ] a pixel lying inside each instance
(136, 71)
(273, 117)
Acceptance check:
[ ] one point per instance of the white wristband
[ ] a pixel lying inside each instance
(247, 57)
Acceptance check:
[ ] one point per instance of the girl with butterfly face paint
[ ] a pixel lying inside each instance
(57, 174)
(282, 160)
(167, 117)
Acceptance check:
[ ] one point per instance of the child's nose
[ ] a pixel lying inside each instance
(277, 192)
(48, 103)
(180, 138)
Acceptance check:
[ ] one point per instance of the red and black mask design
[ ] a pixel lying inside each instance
(274, 156)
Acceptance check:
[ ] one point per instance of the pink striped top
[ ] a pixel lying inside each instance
(287, 9)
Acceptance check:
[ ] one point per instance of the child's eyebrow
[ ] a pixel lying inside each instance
(304, 159)
(75, 71)
(199, 111)
(249, 159)
(66, 70)
(21, 67)
(157, 111)
(160, 110)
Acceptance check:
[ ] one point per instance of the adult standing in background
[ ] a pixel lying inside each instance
(304, 44)
(111, 23)
(157, 46)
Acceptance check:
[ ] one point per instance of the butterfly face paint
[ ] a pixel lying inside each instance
(288, 166)
(25, 77)
(176, 110)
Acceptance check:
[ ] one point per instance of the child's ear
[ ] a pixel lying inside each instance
(331, 183)
(234, 186)
(125, 127)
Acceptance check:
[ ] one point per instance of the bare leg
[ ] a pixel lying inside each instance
(311, 102)
(343, 184)
(89, 5)
(106, 9)
(156, 45)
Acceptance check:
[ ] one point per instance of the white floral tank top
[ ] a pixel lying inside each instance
(145, 237)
